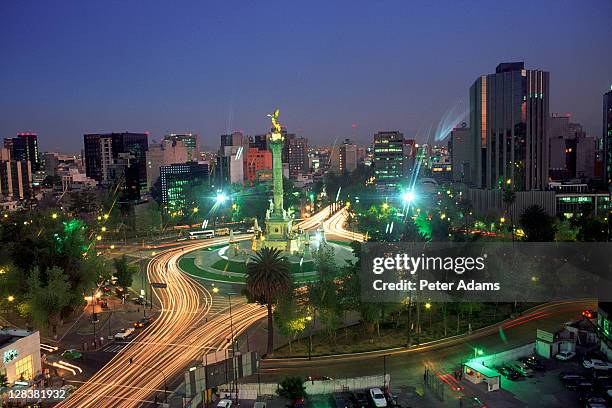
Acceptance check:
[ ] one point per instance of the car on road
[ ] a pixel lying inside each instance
(589, 314)
(597, 364)
(508, 372)
(144, 322)
(124, 333)
(580, 386)
(140, 300)
(378, 398)
(72, 354)
(565, 355)
(224, 403)
(259, 404)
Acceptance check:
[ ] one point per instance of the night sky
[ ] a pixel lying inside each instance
(336, 69)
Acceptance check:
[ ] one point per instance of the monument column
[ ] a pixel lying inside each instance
(276, 145)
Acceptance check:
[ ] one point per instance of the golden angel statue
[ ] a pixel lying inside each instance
(275, 123)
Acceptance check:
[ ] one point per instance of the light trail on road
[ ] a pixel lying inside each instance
(335, 226)
(181, 334)
(313, 222)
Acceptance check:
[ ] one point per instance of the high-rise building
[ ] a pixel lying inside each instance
(344, 157)
(169, 151)
(118, 158)
(260, 142)
(389, 161)
(585, 157)
(296, 150)
(176, 180)
(509, 119)
(607, 136)
(24, 147)
(15, 180)
(229, 168)
(461, 148)
(191, 141)
(256, 163)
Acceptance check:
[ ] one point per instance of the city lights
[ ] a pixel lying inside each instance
(220, 198)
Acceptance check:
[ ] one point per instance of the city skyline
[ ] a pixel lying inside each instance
(200, 77)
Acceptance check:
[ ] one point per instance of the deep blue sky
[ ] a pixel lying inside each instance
(67, 68)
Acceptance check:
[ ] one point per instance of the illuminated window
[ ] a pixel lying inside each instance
(23, 368)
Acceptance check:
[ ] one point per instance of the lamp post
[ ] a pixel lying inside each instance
(309, 319)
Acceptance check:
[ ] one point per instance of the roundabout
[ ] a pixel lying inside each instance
(228, 263)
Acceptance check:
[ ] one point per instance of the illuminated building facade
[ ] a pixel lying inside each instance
(509, 119)
(176, 179)
(20, 355)
(604, 327)
(257, 162)
(388, 161)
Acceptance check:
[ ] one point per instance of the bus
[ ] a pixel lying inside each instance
(222, 231)
(204, 234)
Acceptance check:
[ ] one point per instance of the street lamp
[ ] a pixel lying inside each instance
(215, 289)
(10, 298)
(221, 197)
(54, 216)
(478, 352)
(408, 197)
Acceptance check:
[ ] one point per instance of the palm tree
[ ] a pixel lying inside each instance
(267, 277)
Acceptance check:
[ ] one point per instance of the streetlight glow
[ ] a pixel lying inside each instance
(10, 298)
(221, 197)
(408, 196)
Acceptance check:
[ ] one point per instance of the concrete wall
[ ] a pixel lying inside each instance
(507, 356)
(252, 390)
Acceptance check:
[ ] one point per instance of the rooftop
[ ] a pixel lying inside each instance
(8, 336)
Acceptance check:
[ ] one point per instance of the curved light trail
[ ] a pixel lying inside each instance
(316, 220)
(183, 332)
(335, 226)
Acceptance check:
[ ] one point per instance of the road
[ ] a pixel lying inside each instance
(334, 227)
(406, 365)
(184, 330)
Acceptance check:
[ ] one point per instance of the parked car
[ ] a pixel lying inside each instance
(522, 368)
(340, 402)
(259, 404)
(140, 300)
(72, 354)
(361, 399)
(124, 333)
(378, 398)
(508, 372)
(571, 376)
(565, 355)
(144, 322)
(597, 364)
(580, 386)
(224, 403)
(533, 362)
